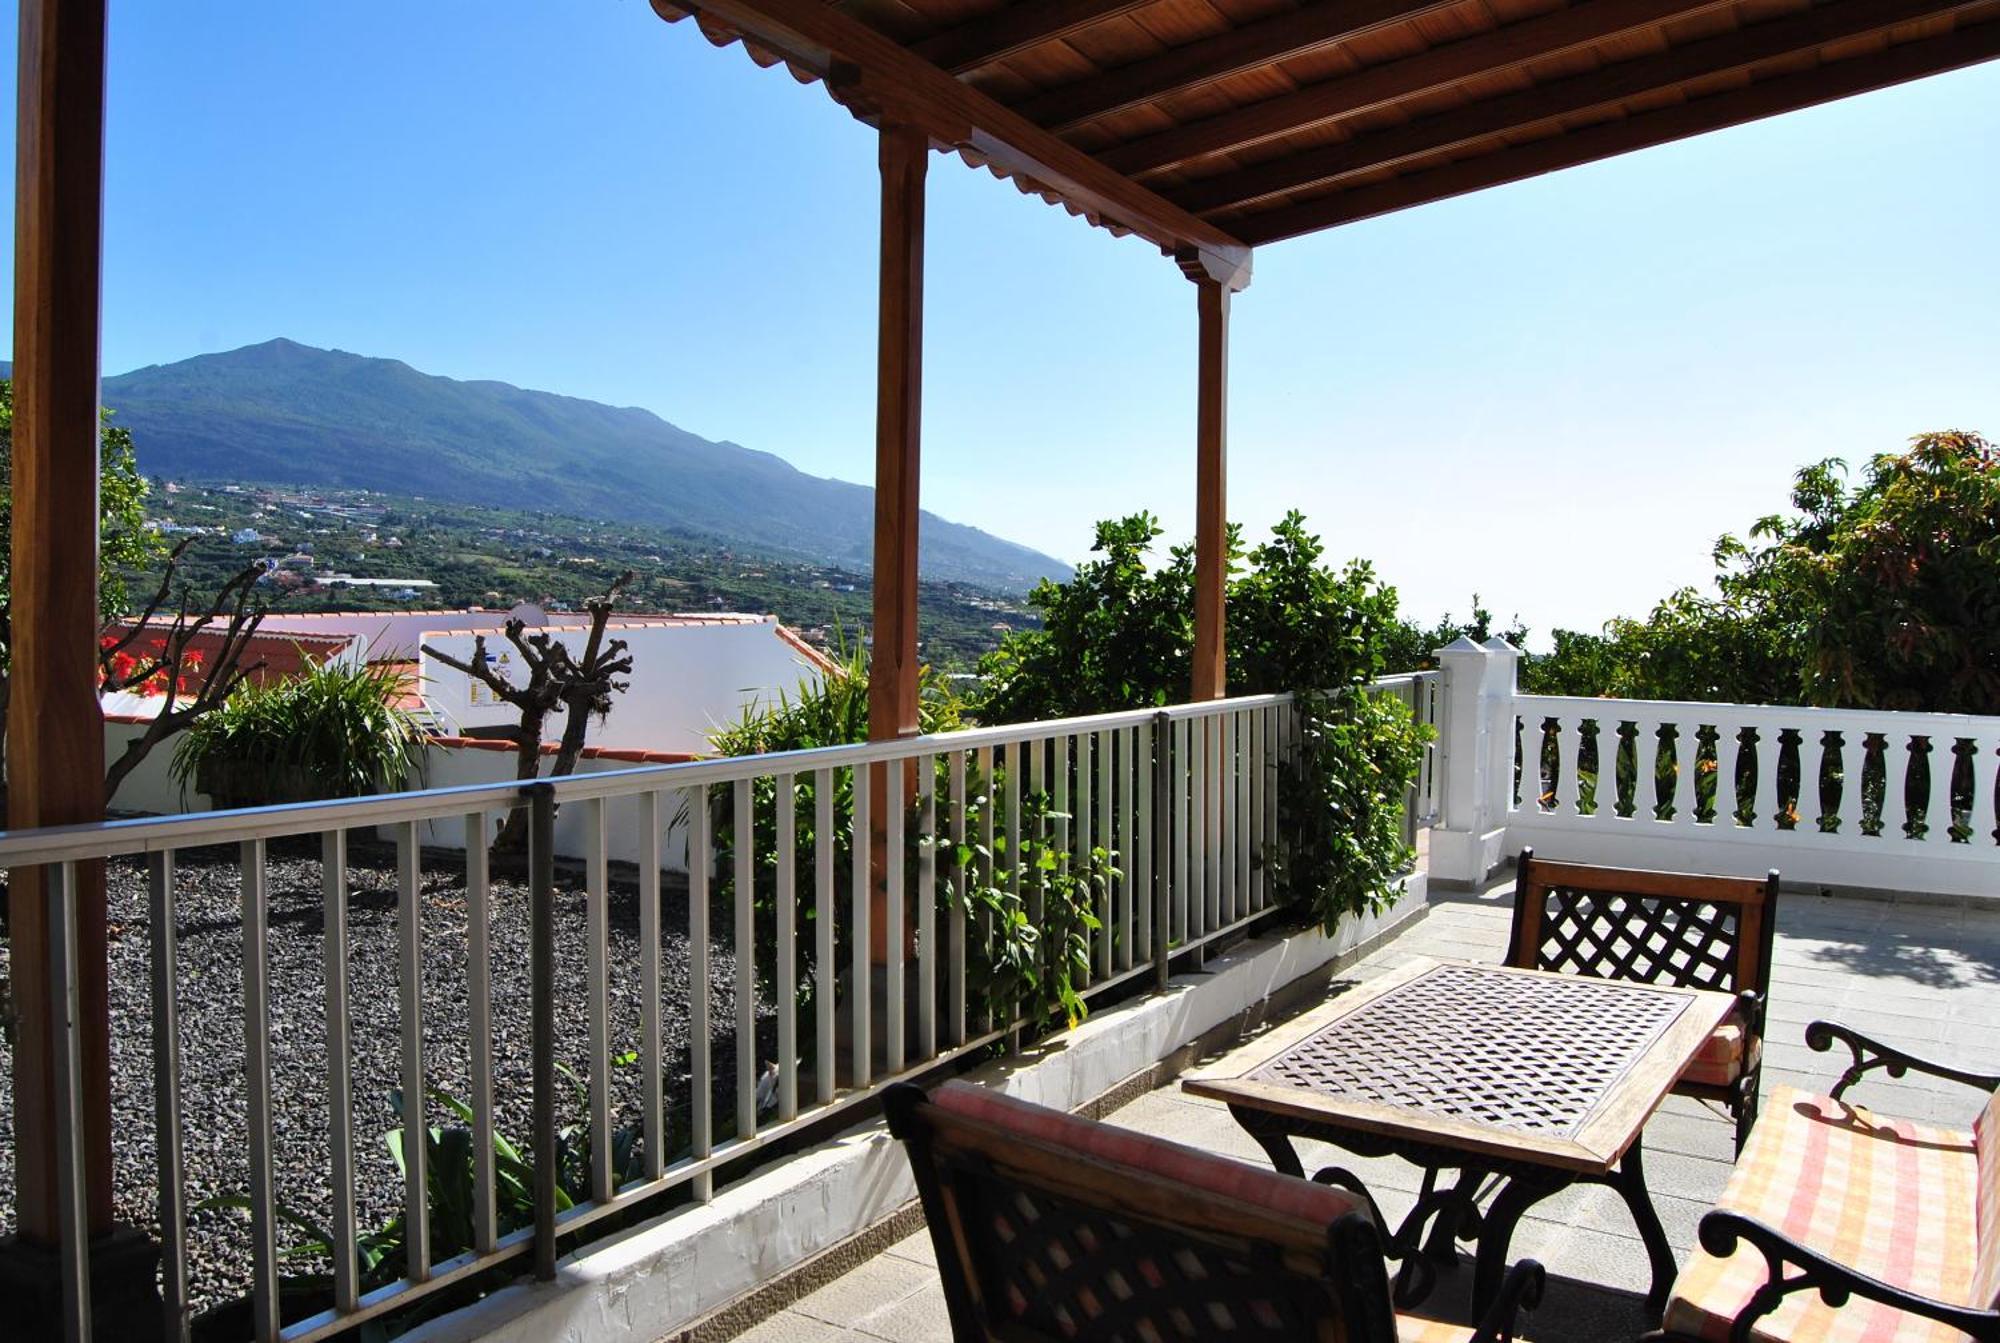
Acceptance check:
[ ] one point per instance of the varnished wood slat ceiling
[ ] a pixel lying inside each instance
(1265, 119)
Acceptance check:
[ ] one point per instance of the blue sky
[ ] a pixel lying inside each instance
(1557, 393)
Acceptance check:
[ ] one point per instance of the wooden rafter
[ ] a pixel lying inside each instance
(1280, 38)
(879, 78)
(1964, 46)
(1015, 28)
(1501, 50)
(1602, 88)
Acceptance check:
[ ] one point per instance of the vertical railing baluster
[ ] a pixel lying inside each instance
(652, 1062)
(597, 991)
(1253, 788)
(71, 1179)
(416, 1158)
(825, 854)
(167, 1094)
(955, 928)
(743, 846)
(1038, 779)
(925, 899)
(479, 1026)
(1076, 853)
(1980, 819)
(1274, 719)
(1142, 837)
(1232, 891)
(1241, 790)
(1728, 750)
(983, 870)
(339, 1068)
(859, 992)
(1132, 892)
(786, 896)
(542, 1018)
(257, 1079)
(701, 1080)
(896, 932)
(1178, 779)
(1568, 787)
(1107, 839)
(1645, 767)
(1157, 803)
(1687, 755)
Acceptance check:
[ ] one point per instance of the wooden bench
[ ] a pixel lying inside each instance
(1680, 928)
(1052, 1227)
(1842, 1224)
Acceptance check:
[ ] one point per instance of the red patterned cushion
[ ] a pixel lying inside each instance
(1318, 1204)
(1721, 1060)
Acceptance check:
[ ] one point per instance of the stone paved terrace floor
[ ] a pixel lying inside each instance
(1926, 977)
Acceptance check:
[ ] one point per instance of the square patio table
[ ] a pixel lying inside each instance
(1534, 1079)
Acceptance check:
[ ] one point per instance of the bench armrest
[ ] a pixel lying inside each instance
(1872, 1054)
(1722, 1230)
(1520, 1290)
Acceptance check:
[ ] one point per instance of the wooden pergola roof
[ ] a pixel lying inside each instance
(1216, 125)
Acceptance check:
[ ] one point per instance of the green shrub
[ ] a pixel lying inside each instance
(334, 731)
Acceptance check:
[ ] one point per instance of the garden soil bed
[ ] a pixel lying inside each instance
(209, 925)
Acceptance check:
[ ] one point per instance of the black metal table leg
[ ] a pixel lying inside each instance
(1630, 1182)
(1496, 1232)
(1272, 1135)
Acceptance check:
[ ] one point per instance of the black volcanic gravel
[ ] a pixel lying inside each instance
(209, 926)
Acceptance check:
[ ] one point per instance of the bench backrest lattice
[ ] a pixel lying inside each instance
(1683, 929)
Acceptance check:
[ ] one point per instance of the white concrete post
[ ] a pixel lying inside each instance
(1477, 759)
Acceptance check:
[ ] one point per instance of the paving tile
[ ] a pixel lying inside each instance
(918, 1248)
(855, 1298)
(921, 1318)
(791, 1327)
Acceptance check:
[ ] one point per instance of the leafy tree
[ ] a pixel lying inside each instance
(1889, 594)
(1120, 635)
(124, 545)
(1885, 596)
(1411, 647)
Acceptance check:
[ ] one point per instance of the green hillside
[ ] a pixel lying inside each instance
(289, 413)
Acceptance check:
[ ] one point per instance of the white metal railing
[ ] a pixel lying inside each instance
(1423, 693)
(1186, 798)
(1871, 790)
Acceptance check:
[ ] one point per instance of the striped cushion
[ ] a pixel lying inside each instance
(1986, 1135)
(1720, 1061)
(1415, 1329)
(1887, 1197)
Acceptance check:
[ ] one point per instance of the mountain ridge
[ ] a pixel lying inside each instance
(284, 412)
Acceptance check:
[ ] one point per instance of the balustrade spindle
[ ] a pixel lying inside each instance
(960, 804)
(1131, 892)
(1728, 753)
(1239, 777)
(1942, 763)
(1646, 770)
(1687, 764)
(1770, 748)
(1853, 769)
(1076, 854)
(982, 873)
(1568, 787)
(1981, 819)
(1896, 814)
(1813, 755)
(743, 941)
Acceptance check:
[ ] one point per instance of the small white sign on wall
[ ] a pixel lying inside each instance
(501, 664)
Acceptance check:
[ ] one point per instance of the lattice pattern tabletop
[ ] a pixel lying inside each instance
(1558, 1070)
(1485, 1045)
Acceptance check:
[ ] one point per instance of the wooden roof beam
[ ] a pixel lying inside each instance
(1293, 33)
(1604, 87)
(1014, 28)
(1503, 49)
(1962, 47)
(879, 79)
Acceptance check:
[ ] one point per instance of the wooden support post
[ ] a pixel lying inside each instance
(1211, 525)
(55, 737)
(892, 673)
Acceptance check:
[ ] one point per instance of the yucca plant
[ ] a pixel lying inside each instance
(333, 731)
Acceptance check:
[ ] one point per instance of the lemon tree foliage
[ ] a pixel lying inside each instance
(1120, 635)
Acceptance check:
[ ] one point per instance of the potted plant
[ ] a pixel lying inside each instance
(334, 731)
